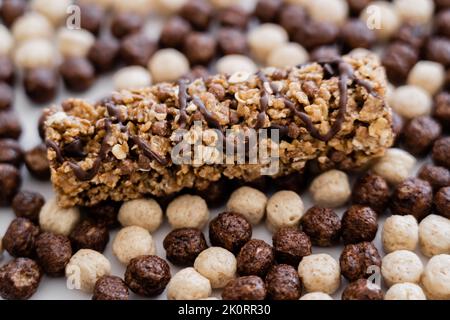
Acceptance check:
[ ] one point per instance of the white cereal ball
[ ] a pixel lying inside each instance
(74, 42)
(31, 26)
(188, 284)
(249, 202)
(265, 38)
(320, 272)
(287, 55)
(6, 40)
(401, 266)
(316, 296)
(145, 213)
(233, 63)
(132, 77)
(54, 10)
(218, 265)
(168, 65)
(85, 268)
(169, 7)
(415, 11)
(381, 17)
(131, 242)
(436, 278)
(284, 209)
(334, 11)
(36, 53)
(411, 101)
(58, 220)
(331, 189)
(395, 166)
(427, 75)
(187, 211)
(405, 291)
(142, 7)
(434, 235)
(400, 233)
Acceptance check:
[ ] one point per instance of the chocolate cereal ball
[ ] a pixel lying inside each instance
(267, 10)
(20, 237)
(184, 245)
(28, 204)
(245, 288)
(362, 289)
(88, 235)
(137, 49)
(230, 230)
(110, 288)
(41, 84)
(19, 279)
(231, 41)
(359, 223)
(255, 258)
(200, 48)
(437, 177)
(398, 59)
(174, 32)
(291, 245)
(322, 225)
(78, 73)
(412, 196)
(125, 23)
(11, 152)
(441, 150)
(356, 34)
(103, 53)
(442, 202)
(147, 275)
(371, 190)
(442, 106)
(37, 163)
(53, 253)
(283, 283)
(104, 213)
(233, 16)
(198, 12)
(420, 133)
(356, 260)
(10, 182)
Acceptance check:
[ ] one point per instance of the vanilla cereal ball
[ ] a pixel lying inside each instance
(320, 272)
(265, 38)
(58, 220)
(145, 213)
(218, 265)
(132, 77)
(74, 42)
(405, 291)
(188, 284)
(333, 11)
(382, 17)
(401, 266)
(316, 296)
(427, 75)
(168, 65)
(54, 10)
(395, 166)
(131, 242)
(415, 11)
(287, 55)
(284, 209)
(32, 25)
(169, 7)
(6, 40)
(249, 202)
(36, 53)
(86, 267)
(331, 189)
(400, 233)
(233, 63)
(187, 211)
(436, 278)
(434, 235)
(142, 7)
(411, 101)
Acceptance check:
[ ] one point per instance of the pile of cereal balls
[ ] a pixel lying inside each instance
(199, 37)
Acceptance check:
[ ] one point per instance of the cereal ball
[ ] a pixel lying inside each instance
(234, 17)
(287, 55)
(245, 288)
(437, 177)
(131, 242)
(436, 278)
(174, 31)
(412, 196)
(411, 101)
(434, 235)
(362, 289)
(198, 12)
(10, 182)
(199, 47)
(441, 150)
(395, 166)
(249, 202)
(137, 49)
(291, 17)
(230, 230)
(396, 71)
(110, 288)
(284, 209)
(53, 253)
(85, 268)
(58, 220)
(359, 224)
(19, 279)
(401, 266)
(405, 291)
(168, 65)
(291, 245)
(103, 53)
(255, 258)
(53, 10)
(10, 10)
(415, 11)
(184, 245)
(428, 75)
(104, 213)
(442, 23)
(438, 49)
(334, 11)
(93, 17)
(420, 133)
(358, 260)
(216, 264)
(169, 7)
(322, 225)
(224, 3)
(147, 275)
(320, 272)
(442, 105)
(442, 202)
(145, 213)
(74, 42)
(6, 40)
(88, 235)
(37, 163)
(267, 10)
(316, 296)
(233, 63)
(188, 284)
(20, 237)
(400, 233)
(126, 23)
(263, 39)
(41, 84)
(413, 35)
(32, 26)
(35, 53)
(356, 34)
(28, 204)
(133, 77)
(187, 211)
(371, 190)
(283, 283)
(387, 17)
(331, 189)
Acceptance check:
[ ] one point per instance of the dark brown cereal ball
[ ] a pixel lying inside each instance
(291, 245)
(200, 48)
(53, 253)
(11, 152)
(359, 223)
(10, 182)
(147, 275)
(216, 193)
(356, 6)
(78, 73)
(104, 213)
(442, 202)
(41, 84)
(19, 279)
(294, 182)
(442, 107)
(137, 49)
(442, 4)
(356, 34)
(420, 133)
(88, 235)
(267, 10)
(362, 289)
(125, 23)
(230, 230)
(412, 34)
(313, 34)
(397, 125)
(7, 70)
(441, 151)
(438, 49)
(291, 17)
(371, 190)
(104, 53)
(110, 288)
(198, 12)
(10, 10)
(245, 288)
(322, 225)
(442, 23)
(174, 32)
(356, 260)
(255, 258)
(325, 53)
(6, 96)
(92, 17)
(20, 237)
(10, 126)
(398, 59)
(231, 41)
(283, 283)
(437, 177)
(234, 17)
(184, 245)
(412, 196)
(37, 163)
(28, 204)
